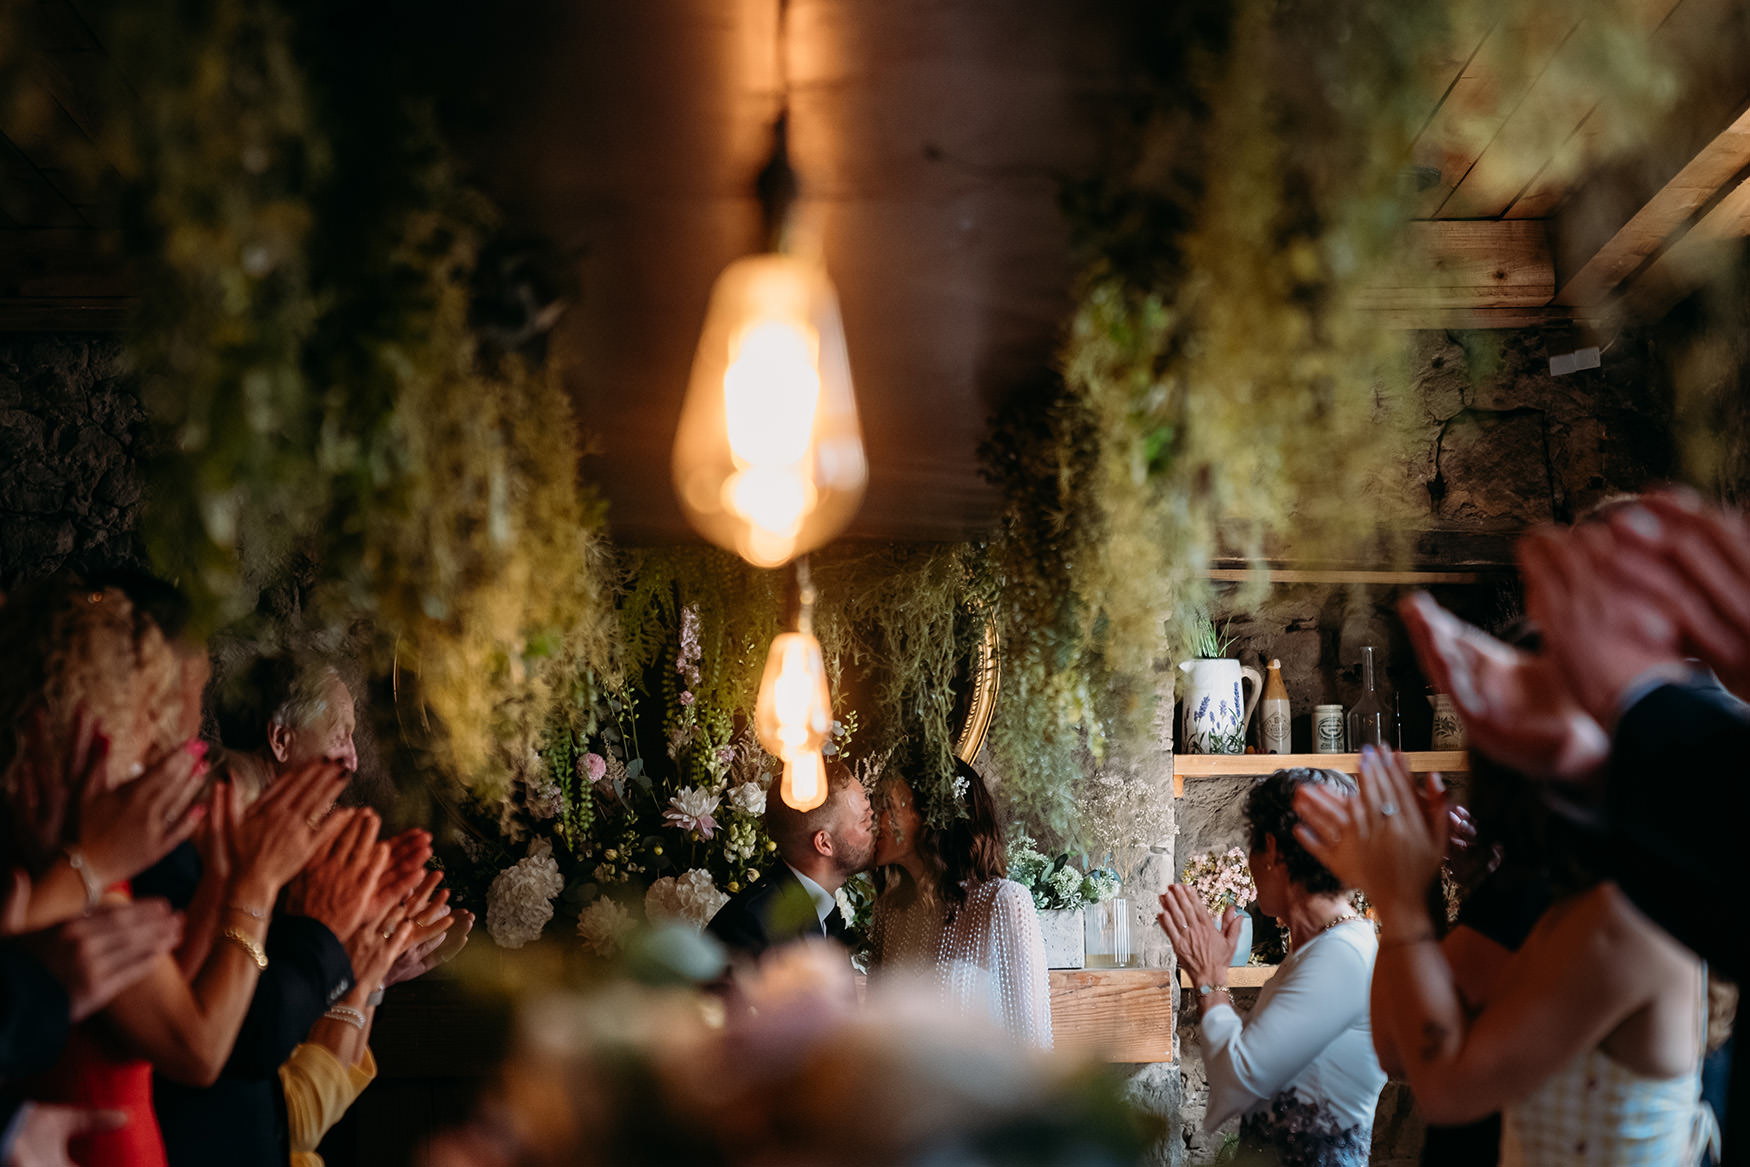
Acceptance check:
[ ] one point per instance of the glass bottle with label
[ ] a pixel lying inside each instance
(1370, 722)
(1274, 733)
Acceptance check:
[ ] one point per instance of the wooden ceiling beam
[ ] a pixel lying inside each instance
(1469, 266)
(1664, 217)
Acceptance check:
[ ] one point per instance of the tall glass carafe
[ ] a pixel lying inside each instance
(1370, 722)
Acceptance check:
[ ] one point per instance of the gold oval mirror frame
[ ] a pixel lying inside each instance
(986, 676)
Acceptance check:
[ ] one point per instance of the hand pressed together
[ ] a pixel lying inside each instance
(1204, 949)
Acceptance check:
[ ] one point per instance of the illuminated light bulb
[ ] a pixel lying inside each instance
(768, 458)
(772, 498)
(804, 783)
(793, 713)
(771, 391)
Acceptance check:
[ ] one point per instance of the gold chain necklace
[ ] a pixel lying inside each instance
(1342, 919)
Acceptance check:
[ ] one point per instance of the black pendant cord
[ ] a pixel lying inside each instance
(777, 184)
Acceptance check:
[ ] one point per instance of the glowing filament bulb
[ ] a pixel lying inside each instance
(768, 457)
(793, 714)
(770, 393)
(804, 783)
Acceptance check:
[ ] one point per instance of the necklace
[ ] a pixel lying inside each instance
(1342, 919)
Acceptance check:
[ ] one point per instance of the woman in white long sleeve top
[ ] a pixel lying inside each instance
(1301, 1071)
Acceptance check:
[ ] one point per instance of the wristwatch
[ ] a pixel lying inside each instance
(1206, 990)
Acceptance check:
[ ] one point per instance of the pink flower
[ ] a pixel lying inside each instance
(594, 766)
(687, 697)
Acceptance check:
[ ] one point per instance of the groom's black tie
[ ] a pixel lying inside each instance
(836, 928)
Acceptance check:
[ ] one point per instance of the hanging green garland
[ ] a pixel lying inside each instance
(335, 421)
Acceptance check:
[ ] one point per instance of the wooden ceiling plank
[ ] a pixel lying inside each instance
(1689, 28)
(1519, 153)
(1665, 213)
(1494, 81)
(1444, 70)
(27, 197)
(60, 150)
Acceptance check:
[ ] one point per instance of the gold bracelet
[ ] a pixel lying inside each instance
(243, 941)
(93, 889)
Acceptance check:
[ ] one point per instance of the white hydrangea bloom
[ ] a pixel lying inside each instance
(748, 798)
(603, 927)
(847, 909)
(692, 898)
(520, 901)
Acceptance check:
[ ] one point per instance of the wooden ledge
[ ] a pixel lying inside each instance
(1115, 1015)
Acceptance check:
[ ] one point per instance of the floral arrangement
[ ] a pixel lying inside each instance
(627, 834)
(1221, 879)
(1057, 884)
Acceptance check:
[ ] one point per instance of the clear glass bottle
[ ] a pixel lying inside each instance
(1370, 722)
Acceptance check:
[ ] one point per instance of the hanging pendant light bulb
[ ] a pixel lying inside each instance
(793, 713)
(768, 458)
(794, 710)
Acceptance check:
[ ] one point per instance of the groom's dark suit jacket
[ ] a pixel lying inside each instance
(774, 910)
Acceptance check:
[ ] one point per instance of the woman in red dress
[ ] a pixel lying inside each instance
(95, 676)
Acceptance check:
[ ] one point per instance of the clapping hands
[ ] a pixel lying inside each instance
(1388, 840)
(1204, 949)
(64, 798)
(1620, 601)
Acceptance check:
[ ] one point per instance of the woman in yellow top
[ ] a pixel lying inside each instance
(334, 1065)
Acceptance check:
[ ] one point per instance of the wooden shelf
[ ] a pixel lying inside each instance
(1245, 976)
(1227, 765)
(1115, 1015)
(1255, 765)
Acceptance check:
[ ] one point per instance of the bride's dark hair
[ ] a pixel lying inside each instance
(960, 844)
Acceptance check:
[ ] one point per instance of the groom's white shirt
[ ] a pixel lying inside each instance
(824, 903)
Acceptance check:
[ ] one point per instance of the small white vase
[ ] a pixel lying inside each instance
(1064, 936)
(1215, 712)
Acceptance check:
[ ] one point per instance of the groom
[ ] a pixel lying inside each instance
(817, 850)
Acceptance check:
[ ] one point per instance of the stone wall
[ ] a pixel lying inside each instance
(72, 440)
(1500, 446)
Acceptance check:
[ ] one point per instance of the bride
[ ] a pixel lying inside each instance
(944, 907)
